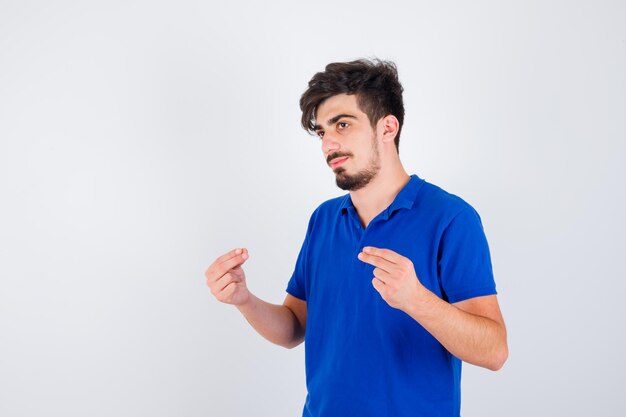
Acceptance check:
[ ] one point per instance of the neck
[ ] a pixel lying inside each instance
(376, 196)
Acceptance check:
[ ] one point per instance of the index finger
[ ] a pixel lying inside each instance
(386, 254)
(229, 255)
(377, 261)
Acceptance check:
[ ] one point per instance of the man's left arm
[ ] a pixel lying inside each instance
(472, 330)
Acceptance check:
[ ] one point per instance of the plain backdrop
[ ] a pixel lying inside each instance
(139, 140)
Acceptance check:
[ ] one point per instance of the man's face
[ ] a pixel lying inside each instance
(348, 141)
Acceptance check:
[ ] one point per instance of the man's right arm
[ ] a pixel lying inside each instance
(283, 325)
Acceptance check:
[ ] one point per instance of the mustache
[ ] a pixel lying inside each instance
(336, 155)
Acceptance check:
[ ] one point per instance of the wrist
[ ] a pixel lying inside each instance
(422, 304)
(246, 304)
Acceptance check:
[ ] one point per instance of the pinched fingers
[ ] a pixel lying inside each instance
(230, 264)
(376, 261)
(230, 254)
(386, 254)
(227, 293)
(226, 280)
(387, 260)
(378, 285)
(390, 268)
(218, 288)
(225, 263)
(382, 275)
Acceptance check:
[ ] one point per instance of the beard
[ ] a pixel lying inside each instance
(356, 181)
(359, 180)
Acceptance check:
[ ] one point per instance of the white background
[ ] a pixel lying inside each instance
(139, 140)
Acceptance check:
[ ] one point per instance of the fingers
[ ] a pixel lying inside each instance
(381, 275)
(225, 263)
(224, 281)
(378, 285)
(394, 277)
(376, 261)
(389, 265)
(230, 264)
(228, 293)
(231, 254)
(385, 259)
(226, 278)
(386, 254)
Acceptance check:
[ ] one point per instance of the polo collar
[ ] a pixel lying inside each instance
(404, 200)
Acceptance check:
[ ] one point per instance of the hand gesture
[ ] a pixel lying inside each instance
(394, 277)
(226, 279)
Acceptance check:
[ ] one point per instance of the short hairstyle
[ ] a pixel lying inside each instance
(374, 82)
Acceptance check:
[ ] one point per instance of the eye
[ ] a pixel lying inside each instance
(342, 125)
(320, 134)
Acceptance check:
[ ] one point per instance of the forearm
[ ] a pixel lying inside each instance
(276, 323)
(472, 338)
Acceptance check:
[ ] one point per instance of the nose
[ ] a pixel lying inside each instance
(329, 143)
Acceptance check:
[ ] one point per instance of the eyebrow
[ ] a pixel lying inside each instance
(334, 120)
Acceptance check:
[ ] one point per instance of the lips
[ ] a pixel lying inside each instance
(336, 162)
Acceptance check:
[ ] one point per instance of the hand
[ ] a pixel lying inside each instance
(226, 278)
(394, 277)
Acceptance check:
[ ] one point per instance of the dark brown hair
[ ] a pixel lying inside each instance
(375, 83)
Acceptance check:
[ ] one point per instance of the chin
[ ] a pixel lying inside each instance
(356, 181)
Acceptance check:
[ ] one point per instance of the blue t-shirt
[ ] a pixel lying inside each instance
(363, 357)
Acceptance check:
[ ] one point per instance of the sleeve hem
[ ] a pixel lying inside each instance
(296, 293)
(473, 293)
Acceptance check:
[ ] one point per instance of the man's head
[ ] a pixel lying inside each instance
(349, 143)
(374, 83)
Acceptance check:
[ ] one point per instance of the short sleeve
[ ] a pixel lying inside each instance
(465, 269)
(297, 285)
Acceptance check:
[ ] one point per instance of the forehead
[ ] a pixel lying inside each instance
(338, 104)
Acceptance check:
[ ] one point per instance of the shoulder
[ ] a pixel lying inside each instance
(443, 207)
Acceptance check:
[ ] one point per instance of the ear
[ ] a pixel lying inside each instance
(389, 125)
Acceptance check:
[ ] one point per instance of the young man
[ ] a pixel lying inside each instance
(393, 283)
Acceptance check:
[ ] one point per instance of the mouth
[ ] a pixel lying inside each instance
(337, 162)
